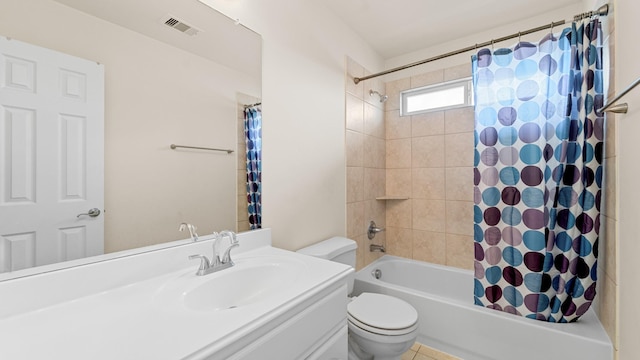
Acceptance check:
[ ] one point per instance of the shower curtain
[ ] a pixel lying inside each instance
(538, 174)
(253, 140)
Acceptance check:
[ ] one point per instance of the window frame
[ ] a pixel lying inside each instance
(468, 98)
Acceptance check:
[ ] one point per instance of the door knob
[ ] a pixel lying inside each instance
(92, 212)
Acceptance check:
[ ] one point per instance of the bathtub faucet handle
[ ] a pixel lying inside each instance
(373, 230)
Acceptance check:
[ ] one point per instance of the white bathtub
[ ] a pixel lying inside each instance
(450, 322)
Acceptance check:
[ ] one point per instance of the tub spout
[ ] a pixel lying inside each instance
(377, 248)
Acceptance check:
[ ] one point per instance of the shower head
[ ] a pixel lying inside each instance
(383, 98)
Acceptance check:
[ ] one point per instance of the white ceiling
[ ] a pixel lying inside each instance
(219, 39)
(397, 27)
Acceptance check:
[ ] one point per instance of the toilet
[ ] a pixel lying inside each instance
(381, 327)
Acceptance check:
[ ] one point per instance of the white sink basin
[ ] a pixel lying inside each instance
(250, 281)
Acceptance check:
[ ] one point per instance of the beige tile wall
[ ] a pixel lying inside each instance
(430, 160)
(427, 158)
(365, 143)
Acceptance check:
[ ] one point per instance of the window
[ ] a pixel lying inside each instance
(443, 96)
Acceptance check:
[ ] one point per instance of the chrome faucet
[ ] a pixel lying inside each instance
(192, 230)
(377, 248)
(373, 230)
(216, 264)
(205, 265)
(233, 243)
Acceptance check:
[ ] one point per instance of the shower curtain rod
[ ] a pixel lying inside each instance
(602, 11)
(252, 105)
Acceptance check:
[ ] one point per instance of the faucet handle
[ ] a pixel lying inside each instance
(233, 243)
(215, 258)
(204, 262)
(232, 236)
(192, 230)
(373, 230)
(227, 254)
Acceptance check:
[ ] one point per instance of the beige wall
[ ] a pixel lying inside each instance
(149, 189)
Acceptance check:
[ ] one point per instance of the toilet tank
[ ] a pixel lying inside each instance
(338, 249)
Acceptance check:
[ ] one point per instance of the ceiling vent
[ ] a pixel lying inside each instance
(179, 25)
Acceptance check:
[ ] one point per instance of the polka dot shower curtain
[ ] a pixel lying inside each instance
(253, 140)
(538, 174)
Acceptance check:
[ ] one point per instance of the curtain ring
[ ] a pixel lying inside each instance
(519, 37)
(492, 42)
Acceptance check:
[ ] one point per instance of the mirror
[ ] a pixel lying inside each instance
(163, 85)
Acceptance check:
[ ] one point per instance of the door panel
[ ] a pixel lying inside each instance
(51, 156)
(72, 154)
(19, 156)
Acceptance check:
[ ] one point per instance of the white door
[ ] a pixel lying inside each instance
(51, 156)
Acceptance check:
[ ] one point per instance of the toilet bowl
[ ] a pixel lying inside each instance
(380, 327)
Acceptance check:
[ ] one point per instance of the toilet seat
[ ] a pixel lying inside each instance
(382, 314)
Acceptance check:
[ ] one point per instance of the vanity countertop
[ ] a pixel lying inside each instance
(148, 319)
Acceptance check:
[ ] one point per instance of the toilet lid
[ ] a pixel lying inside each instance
(383, 312)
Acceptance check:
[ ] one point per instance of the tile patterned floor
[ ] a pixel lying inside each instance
(423, 352)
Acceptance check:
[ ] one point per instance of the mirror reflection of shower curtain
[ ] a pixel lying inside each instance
(538, 174)
(253, 141)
